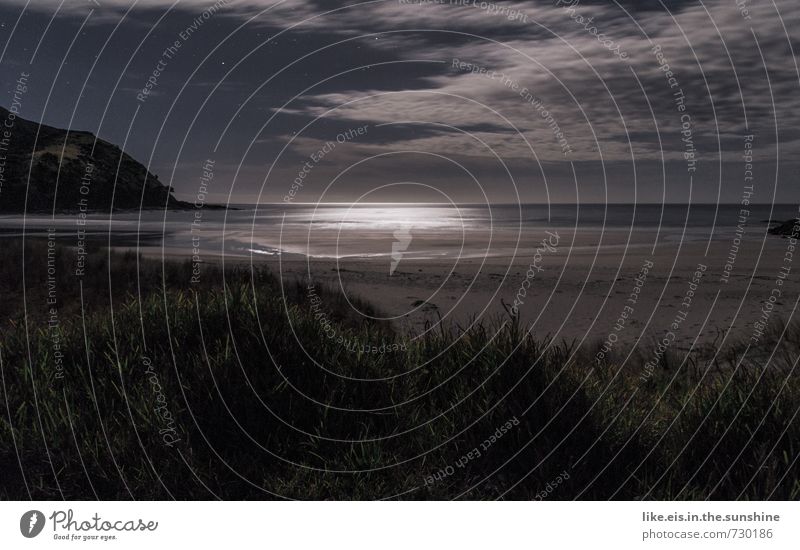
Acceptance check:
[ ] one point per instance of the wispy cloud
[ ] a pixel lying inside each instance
(532, 83)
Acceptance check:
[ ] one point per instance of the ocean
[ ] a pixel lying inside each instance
(423, 231)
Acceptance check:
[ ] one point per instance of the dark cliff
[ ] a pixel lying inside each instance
(90, 175)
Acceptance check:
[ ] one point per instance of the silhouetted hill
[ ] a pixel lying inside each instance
(83, 175)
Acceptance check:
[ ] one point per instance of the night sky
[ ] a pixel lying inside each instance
(260, 87)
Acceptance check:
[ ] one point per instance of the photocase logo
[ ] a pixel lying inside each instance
(31, 523)
(402, 240)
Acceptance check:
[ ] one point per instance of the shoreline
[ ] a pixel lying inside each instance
(574, 296)
(579, 292)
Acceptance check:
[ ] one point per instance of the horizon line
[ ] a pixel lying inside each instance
(397, 203)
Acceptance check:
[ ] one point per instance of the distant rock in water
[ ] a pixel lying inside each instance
(84, 180)
(787, 228)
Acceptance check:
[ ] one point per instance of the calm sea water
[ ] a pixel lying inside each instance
(423, 231)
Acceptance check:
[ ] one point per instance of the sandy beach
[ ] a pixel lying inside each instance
(617, 293)
(611, 276)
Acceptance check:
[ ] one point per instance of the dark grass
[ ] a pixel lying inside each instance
(255, 416)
